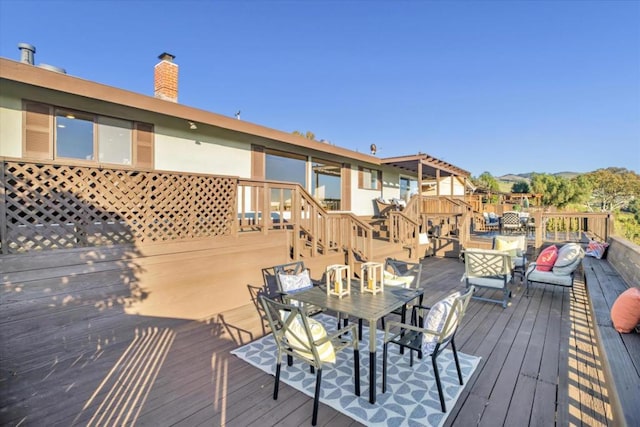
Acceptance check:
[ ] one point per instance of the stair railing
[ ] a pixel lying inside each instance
(270, 205)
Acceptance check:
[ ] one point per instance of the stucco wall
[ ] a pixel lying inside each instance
(198, 153)
(445, 188)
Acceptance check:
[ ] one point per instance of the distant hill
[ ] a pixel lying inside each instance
(507, 181)
(511, 177)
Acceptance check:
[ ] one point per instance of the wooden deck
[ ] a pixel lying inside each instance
(71, 355)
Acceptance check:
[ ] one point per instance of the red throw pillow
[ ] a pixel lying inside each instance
(625, 311)
(547, 258)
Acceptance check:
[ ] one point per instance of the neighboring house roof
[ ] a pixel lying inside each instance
(39, 77)
(429, 165)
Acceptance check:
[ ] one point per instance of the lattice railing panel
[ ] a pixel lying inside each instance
(50, 206)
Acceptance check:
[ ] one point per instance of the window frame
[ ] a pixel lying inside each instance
(362, 185)
(142, 137)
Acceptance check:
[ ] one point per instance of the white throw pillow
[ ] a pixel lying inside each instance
(435, 321)
(299, 340)
(569, 256)
(391, 279)
(295, 282)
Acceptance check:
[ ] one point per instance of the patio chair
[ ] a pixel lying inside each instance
(563, 271)
(300, 337)
(384, 207)
(488, 269)
(282, 280)
(510, 222)
(491, 221)
(404, 274)
(432, 334)
(517, 248)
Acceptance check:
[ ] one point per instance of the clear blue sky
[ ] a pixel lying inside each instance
(498, 86)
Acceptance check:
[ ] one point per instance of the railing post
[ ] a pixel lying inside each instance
(539, 230)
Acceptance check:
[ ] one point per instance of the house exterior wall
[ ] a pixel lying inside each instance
(445, 187)
(200, 153)
(10, 126)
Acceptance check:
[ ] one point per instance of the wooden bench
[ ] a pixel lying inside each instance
(620, 353)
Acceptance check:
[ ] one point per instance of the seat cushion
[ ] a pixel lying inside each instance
(569, 257)
(625, 311)
(535, 275)
(547, 258)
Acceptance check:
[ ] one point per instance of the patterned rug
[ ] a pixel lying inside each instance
(412, 395)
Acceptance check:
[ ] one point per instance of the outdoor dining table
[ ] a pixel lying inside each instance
(367, 306)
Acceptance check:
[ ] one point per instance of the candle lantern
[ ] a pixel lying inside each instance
(371, 277)
(338, 280)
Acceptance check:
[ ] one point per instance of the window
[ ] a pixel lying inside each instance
(369, 179)
(283, 167)
(74, 135)
(408, 187)
(326, 184)
(60, 133)
(114, 140)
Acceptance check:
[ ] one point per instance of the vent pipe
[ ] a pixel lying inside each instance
(53, 68)
(27, 52)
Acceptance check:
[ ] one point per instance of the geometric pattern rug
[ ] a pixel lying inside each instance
(411, 398)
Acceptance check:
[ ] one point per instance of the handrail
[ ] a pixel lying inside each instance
(404, 230)
(571, 226)
(291, 207)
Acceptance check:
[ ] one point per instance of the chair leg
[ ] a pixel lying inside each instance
(289, 360)
(277, 383)
(359, 329)
(384, 367)
(356, 370)
(455, 357)
(437, 375)
(316, 398)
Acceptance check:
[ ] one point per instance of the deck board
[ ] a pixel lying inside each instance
(537, 355)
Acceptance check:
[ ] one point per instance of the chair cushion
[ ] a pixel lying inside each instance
(393, 280)
(547, 258)
(435, 322)
(507, 245)
(535, 275)
(625, 311)
(596, 249)
(297, 336)
(569, 257)
(292, 283)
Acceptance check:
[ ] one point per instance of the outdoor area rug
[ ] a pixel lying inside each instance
(412, 395)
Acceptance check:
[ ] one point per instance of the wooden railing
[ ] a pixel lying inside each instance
(571, 226)
(50, 205)
(404, 230)
(269, 205)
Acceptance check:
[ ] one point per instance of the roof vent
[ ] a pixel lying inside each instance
(53, 68)
(27, 51)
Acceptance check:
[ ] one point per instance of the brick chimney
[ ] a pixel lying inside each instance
(166, 78)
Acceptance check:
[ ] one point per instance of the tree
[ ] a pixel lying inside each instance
(488, 182)
(559, 191)
(520, 187)
(612, 188)
(309, 135)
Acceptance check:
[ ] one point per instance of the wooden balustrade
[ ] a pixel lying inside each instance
(50, 205)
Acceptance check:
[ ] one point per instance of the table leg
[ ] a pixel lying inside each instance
(372, 361)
